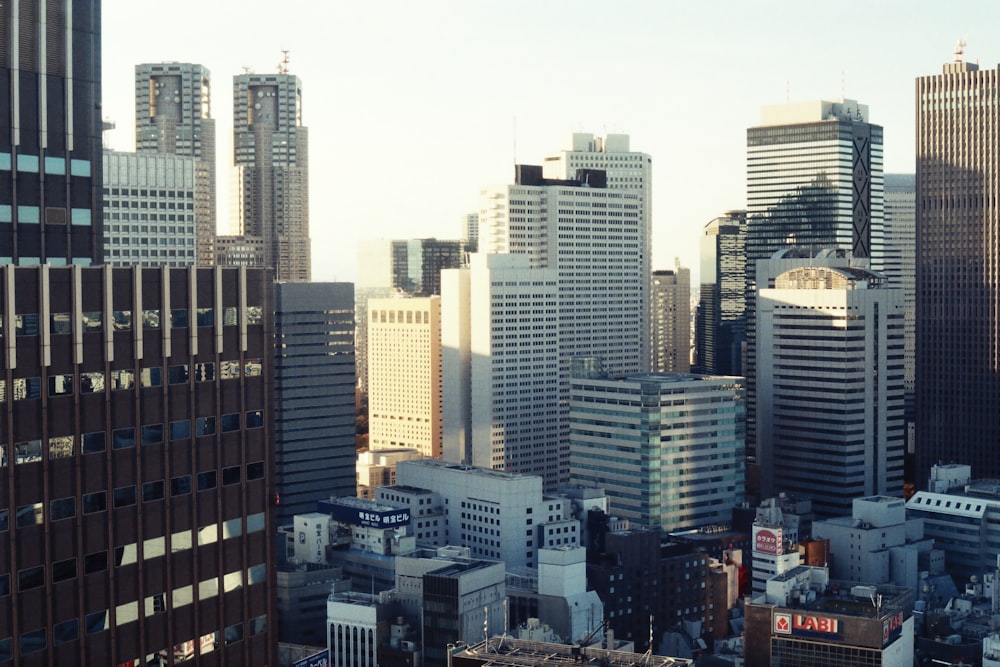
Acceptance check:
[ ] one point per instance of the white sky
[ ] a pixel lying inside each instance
(411, 104)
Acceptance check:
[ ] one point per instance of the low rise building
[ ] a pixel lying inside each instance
(502, 651)
(378, 468)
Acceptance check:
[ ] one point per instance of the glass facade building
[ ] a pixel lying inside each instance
(720, 321)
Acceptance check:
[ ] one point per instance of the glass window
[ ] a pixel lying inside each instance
(208, 534)
(255, 419)
(122, 320)
(255, 470)
(255, 523)
(28, 452)
(93, 320)
(26, 388)
(27, 163)
(180, 430)
(204, 426)
(30, 515)
(180, 485)
(6, 213)
(96, 622)
(60, 323)
(79, 167)
(66, 631)
(254, 315)
(152, 491)
(231, 475)
(231, 422)
(230, 316)
(206, 480)
(95, 502)
(179, 318)
(93, 442)
(62, 508)
(258, 625)
(60, 447)
(152, 434)
(26, 324)
(123, 438)
(63, 570)
(127, 613)
(126, 555)
(123, 379)
(155, 604)
(205, 317)
(253, 368)
(232, 581)
(124, 496)
(178, 374)
(4, 520)
(60, 385)
(4, 585)
(151, 377)
(181, 541)
(204, 372)
(91, 382)
(95, 562)
(232, 528)
(183, 596)
(154, 547)
(234, 633)
(151, 319)
(32, 642)
(208, 588)
(257, 574)
(32, 577)
(80, 216)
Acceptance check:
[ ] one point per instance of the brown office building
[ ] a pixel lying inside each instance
(135, 434)
(958, 267)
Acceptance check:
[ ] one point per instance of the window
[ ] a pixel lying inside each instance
(124, 496)
(206, 480)
(151, 377)
(62, 508)
(152, 491)
(255, 523)
(34, 641)
(63, 570)
(32, 577)
(204, 426)
(151, 319)
(255, 419)
(231, 475)
(66, 631)
(204, 372)
(4, 520)
(96, 622)
(205, 317)
(60, 447)
(93, 442)
(30, 515)
(95, 502)
(95, 562)
(28, 452)
(180, 430)
(60, 385)
(252, 368)
(234, 633)
(152, 434)
(123, 438)
(178, 374)
(179, 318)
(231, 422)
(256, 470)
(180, 485)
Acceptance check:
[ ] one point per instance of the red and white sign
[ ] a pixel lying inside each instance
(891, 627)
(767, 540)
(805, 624)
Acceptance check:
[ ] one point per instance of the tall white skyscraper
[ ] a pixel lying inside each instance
(830, 386)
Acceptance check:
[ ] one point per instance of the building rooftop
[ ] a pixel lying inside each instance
(361, 503)
(510, 651)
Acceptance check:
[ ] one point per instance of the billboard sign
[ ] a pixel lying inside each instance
(321, 659)
(806, 625)
(767, 540)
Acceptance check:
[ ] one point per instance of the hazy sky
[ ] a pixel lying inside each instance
(411, 105)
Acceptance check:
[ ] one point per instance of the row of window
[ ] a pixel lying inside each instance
(91, 321)
(52, 165)
(33, 215)
(64, 446)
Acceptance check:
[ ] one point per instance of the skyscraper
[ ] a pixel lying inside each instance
(958, 268)
(830, 386)
(899, 264)
(720, 322)
(670, 317)
(404, 374)
(173, 116)
(50, 143)
(814, 180)
(271, 155)
(314, 395)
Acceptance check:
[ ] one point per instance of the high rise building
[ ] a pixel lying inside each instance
(150, 216)
(271, 154)
(470, 231)
(958, 265)
(314, 395)
(624, 169)
(173, 116)
(814, 180)
(830, 381)
(643, 439)
(899, 264)
(720, 322)
(404, 374)
(500, 359)
(670, 317)
(50, 133)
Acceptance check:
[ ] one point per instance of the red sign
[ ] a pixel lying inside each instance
(892, 627)
(767, 541)
(813, 624)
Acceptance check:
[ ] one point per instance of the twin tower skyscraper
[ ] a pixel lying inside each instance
(270, 153)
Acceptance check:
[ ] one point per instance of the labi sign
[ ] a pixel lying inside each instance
(806, 625)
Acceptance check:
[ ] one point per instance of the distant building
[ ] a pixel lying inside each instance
(831, 200)
(900, 266)
(315, 439)
(271, 154)
(508, 651)
(670, 320)
(643, 439)
(803, 619)
(357, 626)
(404, 374)
(302, 601)
(720, 322)
(778, 527)
(470, 231)
(830, 386)
(173, 116)
(149, 209)
(375, 469)
(958, 268)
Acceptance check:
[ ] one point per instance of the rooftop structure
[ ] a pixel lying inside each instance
(501, 651)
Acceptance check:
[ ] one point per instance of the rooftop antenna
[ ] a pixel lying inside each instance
(283, 63)
(247, 70)
(843, 86)
(960, 49)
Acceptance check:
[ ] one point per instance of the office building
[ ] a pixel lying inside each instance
(803, 620)
(830, 380)
(962, 516)
(470, 231)
(50, 133)
(404, 374)
(899, 266)
(314, 395)
(357, 626)
(831, 199)
(137, 468)
(498, 515)
(271, 155)
(958, 263)
(670, 320)
(150, 217)
(173, 116)
(500, 359)
(720, 322)
(667, 448)
(375, 469)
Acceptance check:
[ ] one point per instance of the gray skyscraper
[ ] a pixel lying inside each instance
(272, 160)
(720, 322)
(958, 269)
(899, 264)
(814, 180)
(314, 395)
(173, 116)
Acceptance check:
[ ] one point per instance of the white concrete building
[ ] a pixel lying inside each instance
(501, 363)
(353, 628)
(404, 374)
(498, 515)
(830, 386)
(876, 544)
(375, 469)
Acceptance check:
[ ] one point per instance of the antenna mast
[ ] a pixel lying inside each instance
(283, 63)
